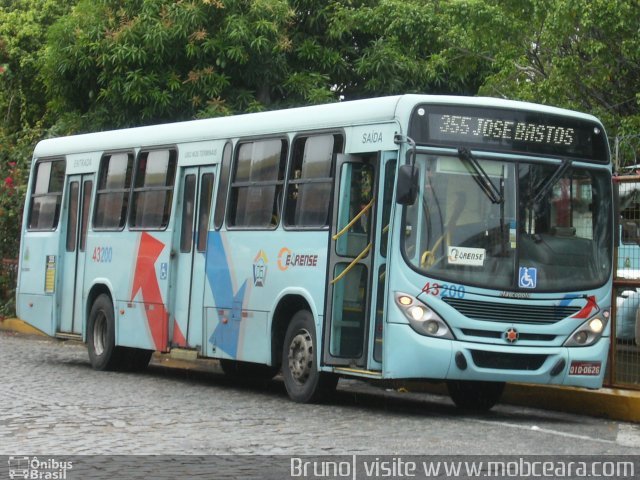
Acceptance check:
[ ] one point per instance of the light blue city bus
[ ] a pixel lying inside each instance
(466, 240)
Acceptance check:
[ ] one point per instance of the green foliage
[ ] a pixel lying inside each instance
(398, 46)
(114, 63)
(581, 54)
(13, 181)
(23, 29)
(118, 63)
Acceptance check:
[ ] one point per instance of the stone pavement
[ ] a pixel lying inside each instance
(616, 404)
(54, 403)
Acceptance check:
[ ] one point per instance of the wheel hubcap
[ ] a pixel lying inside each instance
(301, 356)
(100, 333)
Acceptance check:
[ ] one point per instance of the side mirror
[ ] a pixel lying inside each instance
(407, 191)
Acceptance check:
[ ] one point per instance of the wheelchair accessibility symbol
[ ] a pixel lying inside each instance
(528, 277)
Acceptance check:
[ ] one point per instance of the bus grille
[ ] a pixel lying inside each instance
(511, 313)
(507, 361)
(533, 337)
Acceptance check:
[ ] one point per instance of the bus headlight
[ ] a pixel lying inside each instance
(421, 318)
(590, 331)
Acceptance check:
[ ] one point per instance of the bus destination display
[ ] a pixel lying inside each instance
(461, 127)
(530, 132)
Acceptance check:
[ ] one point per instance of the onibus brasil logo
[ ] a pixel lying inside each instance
(35, 468)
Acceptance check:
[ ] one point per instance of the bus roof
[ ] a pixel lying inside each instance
(327, 116)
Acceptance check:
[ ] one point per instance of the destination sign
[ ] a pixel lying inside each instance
(508, 130)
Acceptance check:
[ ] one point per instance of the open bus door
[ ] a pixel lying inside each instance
(357, 261)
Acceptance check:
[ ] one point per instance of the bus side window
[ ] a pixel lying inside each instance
(153, 189)
(257, 184)
(311, 179)
(46, 195)
(206, 192)
(221, 196)
(112, 196)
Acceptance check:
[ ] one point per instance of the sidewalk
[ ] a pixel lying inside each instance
(17, 325)
(614, 403)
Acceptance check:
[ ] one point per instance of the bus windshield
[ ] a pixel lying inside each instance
(546, 227)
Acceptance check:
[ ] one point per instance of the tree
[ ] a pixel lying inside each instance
(399, 46)
(116, 63)
(23, 30)
(581, 54)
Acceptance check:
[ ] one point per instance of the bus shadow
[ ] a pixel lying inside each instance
(362, 395)
(349, 394)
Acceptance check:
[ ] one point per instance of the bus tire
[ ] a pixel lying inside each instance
(475, 396)
(101, 336)
(302, 379)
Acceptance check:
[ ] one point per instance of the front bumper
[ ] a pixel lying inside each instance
(434, 358)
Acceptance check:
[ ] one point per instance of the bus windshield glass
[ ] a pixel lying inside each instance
(515, 239)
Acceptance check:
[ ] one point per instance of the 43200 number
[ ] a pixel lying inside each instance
(102, 254)
(444, 290)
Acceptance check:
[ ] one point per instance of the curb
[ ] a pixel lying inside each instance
(18, 326)
(613, 403)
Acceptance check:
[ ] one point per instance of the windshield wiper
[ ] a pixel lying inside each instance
(480, 176)
(545, 185)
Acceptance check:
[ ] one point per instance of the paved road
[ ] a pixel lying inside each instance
(52, 402)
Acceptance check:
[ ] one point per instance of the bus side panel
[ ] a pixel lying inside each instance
(134, 329)
(38, 282)
(37, 310)
(246, 272)
(419, 357)
(150, 283)
(238, 335)
(136, 265)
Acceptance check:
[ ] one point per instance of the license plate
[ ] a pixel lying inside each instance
(585, 368)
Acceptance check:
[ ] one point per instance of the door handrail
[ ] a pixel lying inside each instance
(362, 254)
(364, 210)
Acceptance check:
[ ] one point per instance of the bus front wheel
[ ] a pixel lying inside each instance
(302, 379)
(475, 396)
(101, 338)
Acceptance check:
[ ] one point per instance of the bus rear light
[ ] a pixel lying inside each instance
(421, 318)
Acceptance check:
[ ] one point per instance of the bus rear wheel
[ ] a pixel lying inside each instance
(475, 396)
(302, 379)
(101, 337)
